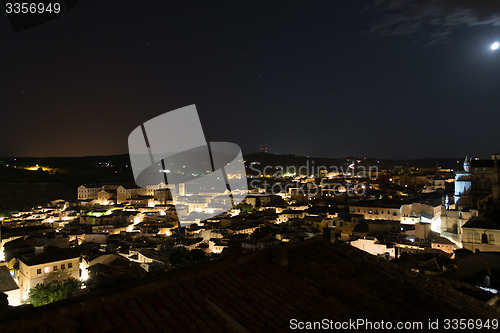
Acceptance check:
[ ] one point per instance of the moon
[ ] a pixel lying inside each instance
(495, 46)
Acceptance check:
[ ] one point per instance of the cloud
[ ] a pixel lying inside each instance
(431, 20)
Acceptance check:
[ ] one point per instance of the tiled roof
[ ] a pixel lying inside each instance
(483, 222)
(260, 292)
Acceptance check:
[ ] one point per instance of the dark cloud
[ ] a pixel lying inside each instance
(430, 21)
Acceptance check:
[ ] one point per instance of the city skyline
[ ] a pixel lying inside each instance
(360, 78)
(257, 166)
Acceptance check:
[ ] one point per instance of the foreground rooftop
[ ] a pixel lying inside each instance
(260, 291)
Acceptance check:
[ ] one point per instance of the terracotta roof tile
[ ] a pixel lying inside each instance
(321, 280)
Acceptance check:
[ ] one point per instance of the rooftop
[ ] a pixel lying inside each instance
(261, 291)
(483, 222)
(50, 256)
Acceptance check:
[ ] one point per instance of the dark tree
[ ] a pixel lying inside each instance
(180, 257)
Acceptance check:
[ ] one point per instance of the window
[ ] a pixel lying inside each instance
(39, 271)
(484, 238)
(492, 238)
(70, 265)
(55, 268)
(46, 269)
(476, 237)
(63, 266)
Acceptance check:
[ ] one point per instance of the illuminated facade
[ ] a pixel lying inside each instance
(47, 267)
(88, 193)
(375, 211)
(481, 233)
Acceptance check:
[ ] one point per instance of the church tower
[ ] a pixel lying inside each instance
(467, 164)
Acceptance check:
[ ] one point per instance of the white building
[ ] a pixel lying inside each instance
(373, 247)
(47, 267)
(481, 233)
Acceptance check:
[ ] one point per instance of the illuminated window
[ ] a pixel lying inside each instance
(46, 269)
(39, 271)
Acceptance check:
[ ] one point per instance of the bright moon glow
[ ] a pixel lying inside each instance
(495, 46)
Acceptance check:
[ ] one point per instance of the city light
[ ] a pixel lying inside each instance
(494, 46)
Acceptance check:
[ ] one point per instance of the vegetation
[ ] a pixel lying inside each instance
(180, 257)
(7, 213)
(54, 291)
(246, 208)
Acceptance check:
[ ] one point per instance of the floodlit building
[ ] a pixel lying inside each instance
(88, 193)
(375, 210)
(481, 233)
(372, 246)
(47, 267)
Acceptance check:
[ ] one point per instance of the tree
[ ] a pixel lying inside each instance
(246, 208)
(42, 294)
(180, 257)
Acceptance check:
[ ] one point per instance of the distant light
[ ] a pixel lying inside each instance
(495, 46)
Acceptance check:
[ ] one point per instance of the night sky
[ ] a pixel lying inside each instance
(386, 79)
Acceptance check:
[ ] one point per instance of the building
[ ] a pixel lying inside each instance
(104, 197)
(126, 194)
(485, 174)
(422, 212)
(264, 243)
(482, 233)
(463, 182)
(47, 267)
(88, 193)
(377, 210)
(149, 258)
(372, 246)
(443, 244)
(9, 287)
(452, 221)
